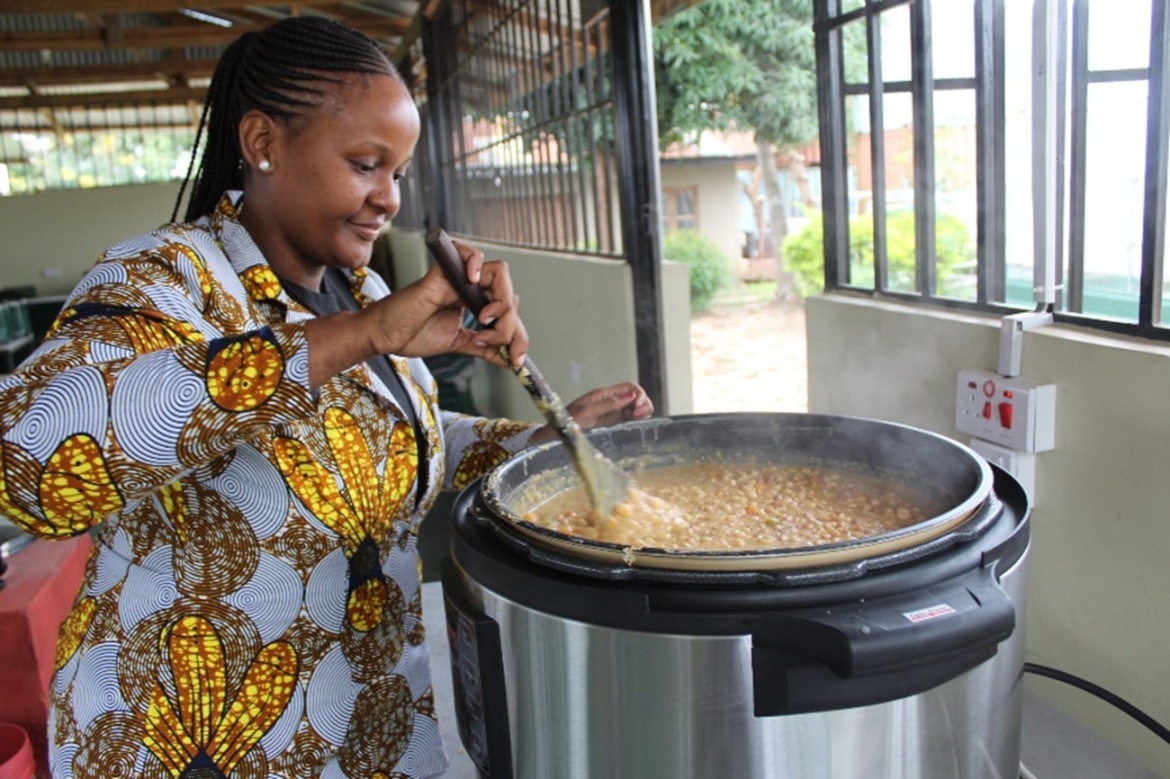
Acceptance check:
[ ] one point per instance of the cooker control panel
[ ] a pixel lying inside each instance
(477, 680)
(1011, 412)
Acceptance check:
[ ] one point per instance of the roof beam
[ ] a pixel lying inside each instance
(131, 38)
(168, 68)
(119, 6)
(172, 95)
(173, 37)
(660, 9)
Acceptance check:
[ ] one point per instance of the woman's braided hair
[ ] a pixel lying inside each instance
(279, 70)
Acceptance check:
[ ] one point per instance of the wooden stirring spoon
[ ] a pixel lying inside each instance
(606, 483)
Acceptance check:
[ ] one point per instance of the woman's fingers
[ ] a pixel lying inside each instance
(610, 405)
(642, 407)
(422, 318)
(489, 344)
(502, 313)
(604, 406)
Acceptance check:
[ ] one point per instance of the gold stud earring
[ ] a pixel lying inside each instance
(265, 165)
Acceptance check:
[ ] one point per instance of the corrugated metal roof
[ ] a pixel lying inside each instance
(88, 49)
(48, 44)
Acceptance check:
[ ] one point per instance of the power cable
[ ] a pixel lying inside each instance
(1160, 730)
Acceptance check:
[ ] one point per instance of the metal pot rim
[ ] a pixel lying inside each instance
(952, 521)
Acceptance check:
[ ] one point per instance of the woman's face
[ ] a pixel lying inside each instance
(334, 181)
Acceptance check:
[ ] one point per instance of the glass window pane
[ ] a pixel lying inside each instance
(1017, 189)
(896, 43)
(952, 26)
(680, 209)
(898, 137)
(956, 203)
(859, 172)
(855, 48)
(1115, 158)
(1119, 34)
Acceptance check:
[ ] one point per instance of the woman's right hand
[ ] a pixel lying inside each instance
(423, 319)
(430, 321)
(426, 317)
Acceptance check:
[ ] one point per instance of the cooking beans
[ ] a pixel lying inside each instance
(734, 507)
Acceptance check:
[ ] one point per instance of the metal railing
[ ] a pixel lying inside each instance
(520, 123)
(96, 146)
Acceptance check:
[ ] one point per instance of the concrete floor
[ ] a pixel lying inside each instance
(1053, 746)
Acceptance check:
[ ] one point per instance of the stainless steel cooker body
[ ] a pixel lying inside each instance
(584, 702)
(910, 670)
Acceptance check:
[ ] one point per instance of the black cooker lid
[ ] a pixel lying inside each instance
(887, 630)
(505, 563)
(472, 504)
(956, 478)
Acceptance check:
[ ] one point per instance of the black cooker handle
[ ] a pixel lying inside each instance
(872, 651)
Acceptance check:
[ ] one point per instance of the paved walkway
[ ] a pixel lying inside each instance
(750, 358)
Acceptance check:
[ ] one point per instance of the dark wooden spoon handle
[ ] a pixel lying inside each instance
(605, 481)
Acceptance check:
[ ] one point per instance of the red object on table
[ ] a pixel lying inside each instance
(16, 754)
(40, 585)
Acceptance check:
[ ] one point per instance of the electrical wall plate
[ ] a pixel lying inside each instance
(1022, 465)
(1012, 412)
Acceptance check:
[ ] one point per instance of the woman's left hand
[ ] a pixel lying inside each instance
(604, 406)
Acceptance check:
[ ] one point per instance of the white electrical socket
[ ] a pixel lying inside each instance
(1022, 465)
(1012, 412)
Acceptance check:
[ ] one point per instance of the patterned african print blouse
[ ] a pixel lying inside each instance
(252, 606)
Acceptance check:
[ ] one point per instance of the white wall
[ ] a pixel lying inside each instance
(50, 239)
(718, 202)
(1099, 567)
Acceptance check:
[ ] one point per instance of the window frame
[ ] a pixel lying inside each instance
(670, 215)
(988, 83)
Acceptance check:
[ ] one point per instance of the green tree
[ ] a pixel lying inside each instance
(744, 62)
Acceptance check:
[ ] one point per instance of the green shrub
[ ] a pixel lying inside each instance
(710, 268)
(804, 256)
(804, 252)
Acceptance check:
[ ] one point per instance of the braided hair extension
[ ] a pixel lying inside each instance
(280, 71)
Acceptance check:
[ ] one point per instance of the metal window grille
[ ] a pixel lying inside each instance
(1133, 305)
(520, 120)
(97, 146)
(417, 186)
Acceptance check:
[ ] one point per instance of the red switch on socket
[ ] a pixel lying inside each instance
(987, 409)
(1005, 415)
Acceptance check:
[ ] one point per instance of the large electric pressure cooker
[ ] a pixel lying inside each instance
(897, 655)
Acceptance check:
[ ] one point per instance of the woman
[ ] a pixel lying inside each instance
(218, 395)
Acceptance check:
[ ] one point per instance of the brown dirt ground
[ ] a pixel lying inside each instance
(750, 358)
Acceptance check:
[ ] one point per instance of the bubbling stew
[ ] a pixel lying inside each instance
(739, 507)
